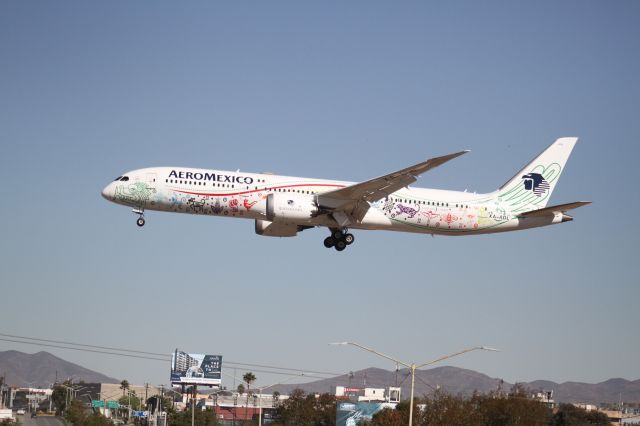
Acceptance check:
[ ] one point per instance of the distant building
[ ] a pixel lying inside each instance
(391, 394)
(545, 397)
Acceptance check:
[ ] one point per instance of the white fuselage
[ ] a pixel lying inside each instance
(243, 195)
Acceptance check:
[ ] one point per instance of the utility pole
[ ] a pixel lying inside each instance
(146, 407)
(193, 405)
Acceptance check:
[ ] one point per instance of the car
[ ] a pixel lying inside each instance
(20, 412)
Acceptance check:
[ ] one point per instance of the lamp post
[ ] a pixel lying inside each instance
(413, 366)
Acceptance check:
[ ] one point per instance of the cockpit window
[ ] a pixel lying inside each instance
(118, 178)
(124, 178)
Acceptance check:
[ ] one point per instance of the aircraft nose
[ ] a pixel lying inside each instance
(107, 192)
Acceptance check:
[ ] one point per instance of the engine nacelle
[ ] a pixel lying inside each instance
(291, 207)
(270, 229)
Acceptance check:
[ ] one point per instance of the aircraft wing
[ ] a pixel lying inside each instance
(353, 201)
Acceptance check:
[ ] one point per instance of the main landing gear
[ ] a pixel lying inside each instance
(140, 212)
(339, 239)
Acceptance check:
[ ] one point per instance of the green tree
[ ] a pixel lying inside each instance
(136, 404)
(302, 410)
(183, 418)
(295, 410)
(324, 409)
(240, 388)
(249, 378)
(76, 413)
(124, 385)
(495, 409)
(97, 419)
(59, 399)
(444, 409)
(386, 417)
(569, 415)
(516, 408)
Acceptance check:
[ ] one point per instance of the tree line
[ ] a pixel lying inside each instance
(497, 408)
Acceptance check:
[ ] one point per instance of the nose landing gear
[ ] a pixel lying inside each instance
(140, 212)
(339, 239)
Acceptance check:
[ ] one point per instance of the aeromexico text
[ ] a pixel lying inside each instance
(210, 177)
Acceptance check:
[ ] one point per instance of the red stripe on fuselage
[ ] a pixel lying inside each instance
(271, 188)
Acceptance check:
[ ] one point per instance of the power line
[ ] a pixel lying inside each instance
(108, 350)
(84, 345)
(83, 350)
(285, 368)
(156, 359)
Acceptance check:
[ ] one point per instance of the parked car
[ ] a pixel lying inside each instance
(20, 412)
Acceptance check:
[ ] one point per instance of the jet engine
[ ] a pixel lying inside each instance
(291, 207)
(270, 229)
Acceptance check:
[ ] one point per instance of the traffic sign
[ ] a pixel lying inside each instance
(113, 404)
(97, 403)
(139, 413)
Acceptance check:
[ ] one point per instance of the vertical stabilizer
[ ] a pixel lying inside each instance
(532, 186)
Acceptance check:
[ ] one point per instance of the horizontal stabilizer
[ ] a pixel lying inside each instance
(560, 208)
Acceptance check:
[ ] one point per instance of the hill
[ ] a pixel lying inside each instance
(461, 381)
(39, 369)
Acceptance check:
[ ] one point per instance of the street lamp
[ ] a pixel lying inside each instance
(413, 366)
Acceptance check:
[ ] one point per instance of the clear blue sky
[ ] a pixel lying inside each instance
(327, 89)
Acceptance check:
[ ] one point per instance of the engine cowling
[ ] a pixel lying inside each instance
(291, 207)
(269, 229)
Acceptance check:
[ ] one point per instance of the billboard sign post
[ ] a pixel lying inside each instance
(195, 369)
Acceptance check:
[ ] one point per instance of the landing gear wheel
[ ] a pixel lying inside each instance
(140, 221)
(340, 245)
(329, 242)
(337, 234)
(348, 239)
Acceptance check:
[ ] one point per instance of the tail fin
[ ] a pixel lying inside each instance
(532, 186)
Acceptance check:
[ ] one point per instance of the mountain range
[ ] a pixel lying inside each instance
(22, 369)
(456, 381)
(42, 369)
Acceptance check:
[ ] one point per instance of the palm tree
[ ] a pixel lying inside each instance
(124, 385)
(249, 378)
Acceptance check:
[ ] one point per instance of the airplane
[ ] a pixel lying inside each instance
(283, 206)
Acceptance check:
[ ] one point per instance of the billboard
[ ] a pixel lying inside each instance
(352, 413)
(195, 369)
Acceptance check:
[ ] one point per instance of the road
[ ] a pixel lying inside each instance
(26, 420)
